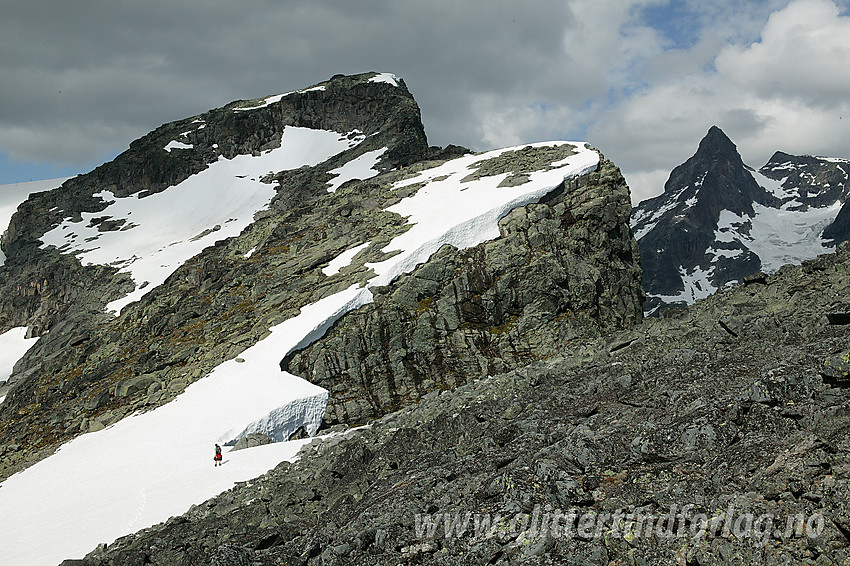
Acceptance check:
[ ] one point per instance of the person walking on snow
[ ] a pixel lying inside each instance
(217, 457)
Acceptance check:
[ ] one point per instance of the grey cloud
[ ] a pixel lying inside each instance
(134, 65)
(80, 80)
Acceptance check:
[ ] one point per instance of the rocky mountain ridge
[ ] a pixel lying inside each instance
(466, 312)
(733, 407)
(90, 368)
(719, 220)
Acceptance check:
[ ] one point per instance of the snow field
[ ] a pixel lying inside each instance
(362, 167)
(148, 467)
(343, 260)
(13, 346)
(165, 229)
(781, 236)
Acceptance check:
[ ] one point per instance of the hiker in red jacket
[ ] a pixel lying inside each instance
(217, 457)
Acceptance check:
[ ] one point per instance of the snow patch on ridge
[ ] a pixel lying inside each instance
(12, 195)
(343, 260)
(268, 101)
(174, 144)
(362, 167)
(449, 210)
(773, 186)
(275, 98)
(163, 230)
(13, 345)
(388, 78)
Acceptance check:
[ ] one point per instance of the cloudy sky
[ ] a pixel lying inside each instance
(642, 80)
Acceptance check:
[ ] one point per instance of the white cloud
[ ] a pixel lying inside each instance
(804, 55)
(786, 91)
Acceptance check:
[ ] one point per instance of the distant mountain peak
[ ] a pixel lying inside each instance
(716, 146)
(719, 220)
(715, 138)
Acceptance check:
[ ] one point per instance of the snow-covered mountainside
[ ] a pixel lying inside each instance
(162, 230)
(168, 286)
(12, 195)
(155, 465)
(13, 342)
(719, 220)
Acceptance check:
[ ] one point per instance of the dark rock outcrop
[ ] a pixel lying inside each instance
(818, 182)
(563, 269)
(839, 230)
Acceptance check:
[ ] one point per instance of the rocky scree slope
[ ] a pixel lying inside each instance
(719, 221)
(738, 402)
(91, 369)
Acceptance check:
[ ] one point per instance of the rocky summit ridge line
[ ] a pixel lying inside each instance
(563, 267)
(90, 368)
(719, 221)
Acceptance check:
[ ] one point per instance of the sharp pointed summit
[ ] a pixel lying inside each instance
(716, 143)
(719, 220)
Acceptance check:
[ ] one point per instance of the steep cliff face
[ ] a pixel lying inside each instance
(91, 368)
(719, 221)
(330, 165)
(839, 230)
(562, 269)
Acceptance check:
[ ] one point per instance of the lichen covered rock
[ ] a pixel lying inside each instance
(562, 269)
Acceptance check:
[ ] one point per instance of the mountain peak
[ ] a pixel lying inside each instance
(718, 168)
(719, 220)
(677, 231)
(715, 143)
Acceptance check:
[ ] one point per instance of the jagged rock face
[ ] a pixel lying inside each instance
(808, 181)
(839, 230)
(719, 221)
(84, 373)
(562, 269)
(736, 405)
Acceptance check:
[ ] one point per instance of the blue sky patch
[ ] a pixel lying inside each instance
(21, 172)
(675, 20)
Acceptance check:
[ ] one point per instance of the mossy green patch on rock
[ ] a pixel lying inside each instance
(469, 313)
(518, 164)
